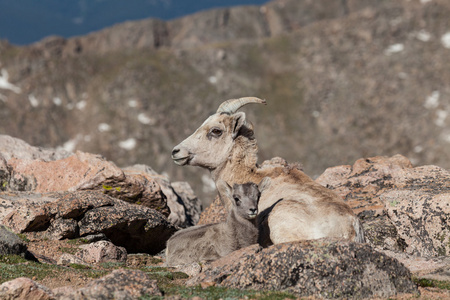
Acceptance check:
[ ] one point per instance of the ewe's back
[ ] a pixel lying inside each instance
(295, 207)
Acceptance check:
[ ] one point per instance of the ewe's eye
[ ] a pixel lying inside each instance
(215, 132)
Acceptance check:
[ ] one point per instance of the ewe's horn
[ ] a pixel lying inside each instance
(232, 105)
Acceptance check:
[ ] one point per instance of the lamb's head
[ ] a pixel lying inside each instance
(245, 199)
(211, 144)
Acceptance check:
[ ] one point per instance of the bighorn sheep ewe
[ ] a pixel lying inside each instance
(212, 241)
(294, 207)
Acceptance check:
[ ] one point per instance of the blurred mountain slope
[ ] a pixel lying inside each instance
(343, 80)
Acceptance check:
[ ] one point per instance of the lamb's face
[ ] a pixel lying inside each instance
(246, 197)
(210, 145)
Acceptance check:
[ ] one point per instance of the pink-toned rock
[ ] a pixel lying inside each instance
(78, 171)
(120, 284)
(404, 208)
(24, 289)
(85, 171)
(102, 251)
(14, 147)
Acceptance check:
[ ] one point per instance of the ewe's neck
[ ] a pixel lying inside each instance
(241, 164)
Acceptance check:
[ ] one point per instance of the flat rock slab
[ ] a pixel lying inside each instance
(83, 171)
(328, 268)
(82, 213)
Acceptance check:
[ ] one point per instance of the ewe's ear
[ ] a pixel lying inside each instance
(238, 120)
(225, 193)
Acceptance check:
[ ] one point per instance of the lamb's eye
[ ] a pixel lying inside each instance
(237, 200)
(215, 132)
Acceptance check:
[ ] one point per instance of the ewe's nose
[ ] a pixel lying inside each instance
(175, 151)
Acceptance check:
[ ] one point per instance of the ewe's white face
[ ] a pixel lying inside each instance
(210, 145)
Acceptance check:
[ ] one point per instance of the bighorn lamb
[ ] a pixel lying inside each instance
(294, 207)
(212, 241)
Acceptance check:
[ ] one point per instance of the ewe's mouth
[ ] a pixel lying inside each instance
(180, 161)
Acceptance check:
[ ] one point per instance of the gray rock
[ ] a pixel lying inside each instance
(120, 284)
(10, 243)
(101, 251)
(328, 268)
(189, 200)
(403, 208)
(184, 205)
(66, 259)
(24, 289)
(83, 213)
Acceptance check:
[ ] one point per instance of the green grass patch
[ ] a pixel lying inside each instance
(79, 267)
(12, 259)
(213, 293)
(79, 241)
(14, 266)
(23, 237)
(112, 265)
(424, 282)
(10, 271)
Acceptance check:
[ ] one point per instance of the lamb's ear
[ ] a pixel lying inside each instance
(237, 123)
(225, 193)
(264, 184)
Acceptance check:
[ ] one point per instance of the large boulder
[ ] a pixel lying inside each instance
(403, 208)
(101, 251)
(329, 268)
(23, 288)
(82, 213)
(184, 205)
(85, 171)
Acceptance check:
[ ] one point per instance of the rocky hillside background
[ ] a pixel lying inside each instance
(343, 80)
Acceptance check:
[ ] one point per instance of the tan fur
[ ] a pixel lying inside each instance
(293, 207)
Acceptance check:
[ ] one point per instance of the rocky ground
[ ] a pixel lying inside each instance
(75, 226)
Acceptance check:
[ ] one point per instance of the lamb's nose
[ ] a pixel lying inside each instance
(253, 210)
